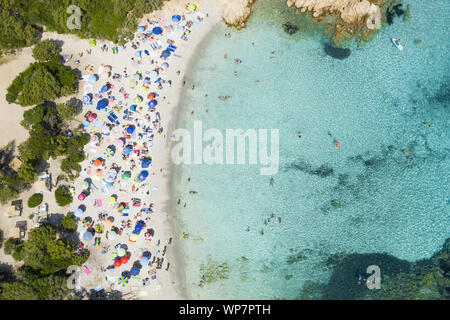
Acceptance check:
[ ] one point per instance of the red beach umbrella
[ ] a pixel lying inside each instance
(117, 263)
(151, 96)
(81, 196)
(124, 259)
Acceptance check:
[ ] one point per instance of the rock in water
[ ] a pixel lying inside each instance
(337, 53)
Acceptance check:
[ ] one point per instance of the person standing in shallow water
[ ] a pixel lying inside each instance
(271, 181)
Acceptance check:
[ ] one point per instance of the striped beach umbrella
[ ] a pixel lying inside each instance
(108, 153)
(123, 281)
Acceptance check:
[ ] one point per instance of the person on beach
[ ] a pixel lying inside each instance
(271, 181)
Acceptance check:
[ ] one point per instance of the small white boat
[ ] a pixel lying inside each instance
(397, 44)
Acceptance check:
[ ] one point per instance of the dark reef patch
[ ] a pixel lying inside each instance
(323, 171)
(337, 53)
(394, 11)
(290, 28)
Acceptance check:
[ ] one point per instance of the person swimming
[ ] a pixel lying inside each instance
(271, 181)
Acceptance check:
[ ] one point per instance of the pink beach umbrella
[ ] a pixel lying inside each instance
(81, 196)
(119, 143)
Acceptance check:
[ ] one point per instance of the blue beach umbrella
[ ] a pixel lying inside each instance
(152, 103)
(136, 77)
(143, 261)
(157, 30)
(87, 236)
(102, 104)
(138, 228)
(146, 52)
(86, 99)
(126, 150)
(92, 78)
(78, 213)
(165, 65)
(104, 88)
(133, 107)
(135, 271)
(143, 175)
(145, 163)
(138, 54)
(130, 129)
(123, 281)
(140, 29)
(165, 54)
(176, 18)
(153, 74)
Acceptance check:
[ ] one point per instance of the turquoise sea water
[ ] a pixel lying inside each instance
(365, 197)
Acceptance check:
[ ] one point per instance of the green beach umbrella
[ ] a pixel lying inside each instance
(125, 176)
(138, 99)
(92, 43)
(192, 6)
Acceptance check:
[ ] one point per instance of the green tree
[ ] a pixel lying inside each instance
(63, 196)
(15, 32)
(66, 111)
(17, 291)
(35, 200)
(68, 223)
(33, 116)
(45, 50)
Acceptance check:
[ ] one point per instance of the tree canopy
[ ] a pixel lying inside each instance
(45, 50)
(40, 82)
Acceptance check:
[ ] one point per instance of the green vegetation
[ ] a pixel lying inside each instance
(45, 50)
(35, 200)
(114, 20)
(63, 196)
(46, 259)
(66, 111)
(1, 238)
(68, 223)
(40, 82)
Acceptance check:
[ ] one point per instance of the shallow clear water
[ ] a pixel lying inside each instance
(364, 197)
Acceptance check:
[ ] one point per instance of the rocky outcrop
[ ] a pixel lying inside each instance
(352, 17)
(235, 12)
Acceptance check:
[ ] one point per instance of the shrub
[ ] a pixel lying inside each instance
(10, 245)
(35, 200)
(45, 50)
(63, 196)
(68, 223)
(1, 238)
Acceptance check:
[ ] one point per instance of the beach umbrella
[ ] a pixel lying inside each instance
(98, 162)
(133, 107)
(126, 176)
(153, 74)
(148, 236)
(138, 53)
(121, 252)
(151, 96)
(92, 78)
(104, 88)
(86, 99)
(145, 163)
(94, 138)
(197, 21)
(133, 83)
(146, 52)
(92, 43)
(143, 175)
(165, 54)
(176, 18)
(111, 200)
(81, 196)
(157, 30)
(165, 65)
(112, 235)
(102, 104)
(143, 261)
(136, 76)
(133, 237)
(124, 259)
(123, 281)
(130, 130)
(99, 173)
(126, 150)
(138, 99)
(152, 103)
(140, 29)
(108, 152)
(192, 6)
(87, 236)
(117, 263)
(78, 213)
(135, 271)
(137, 228)
(92, 117)
(118, 143)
